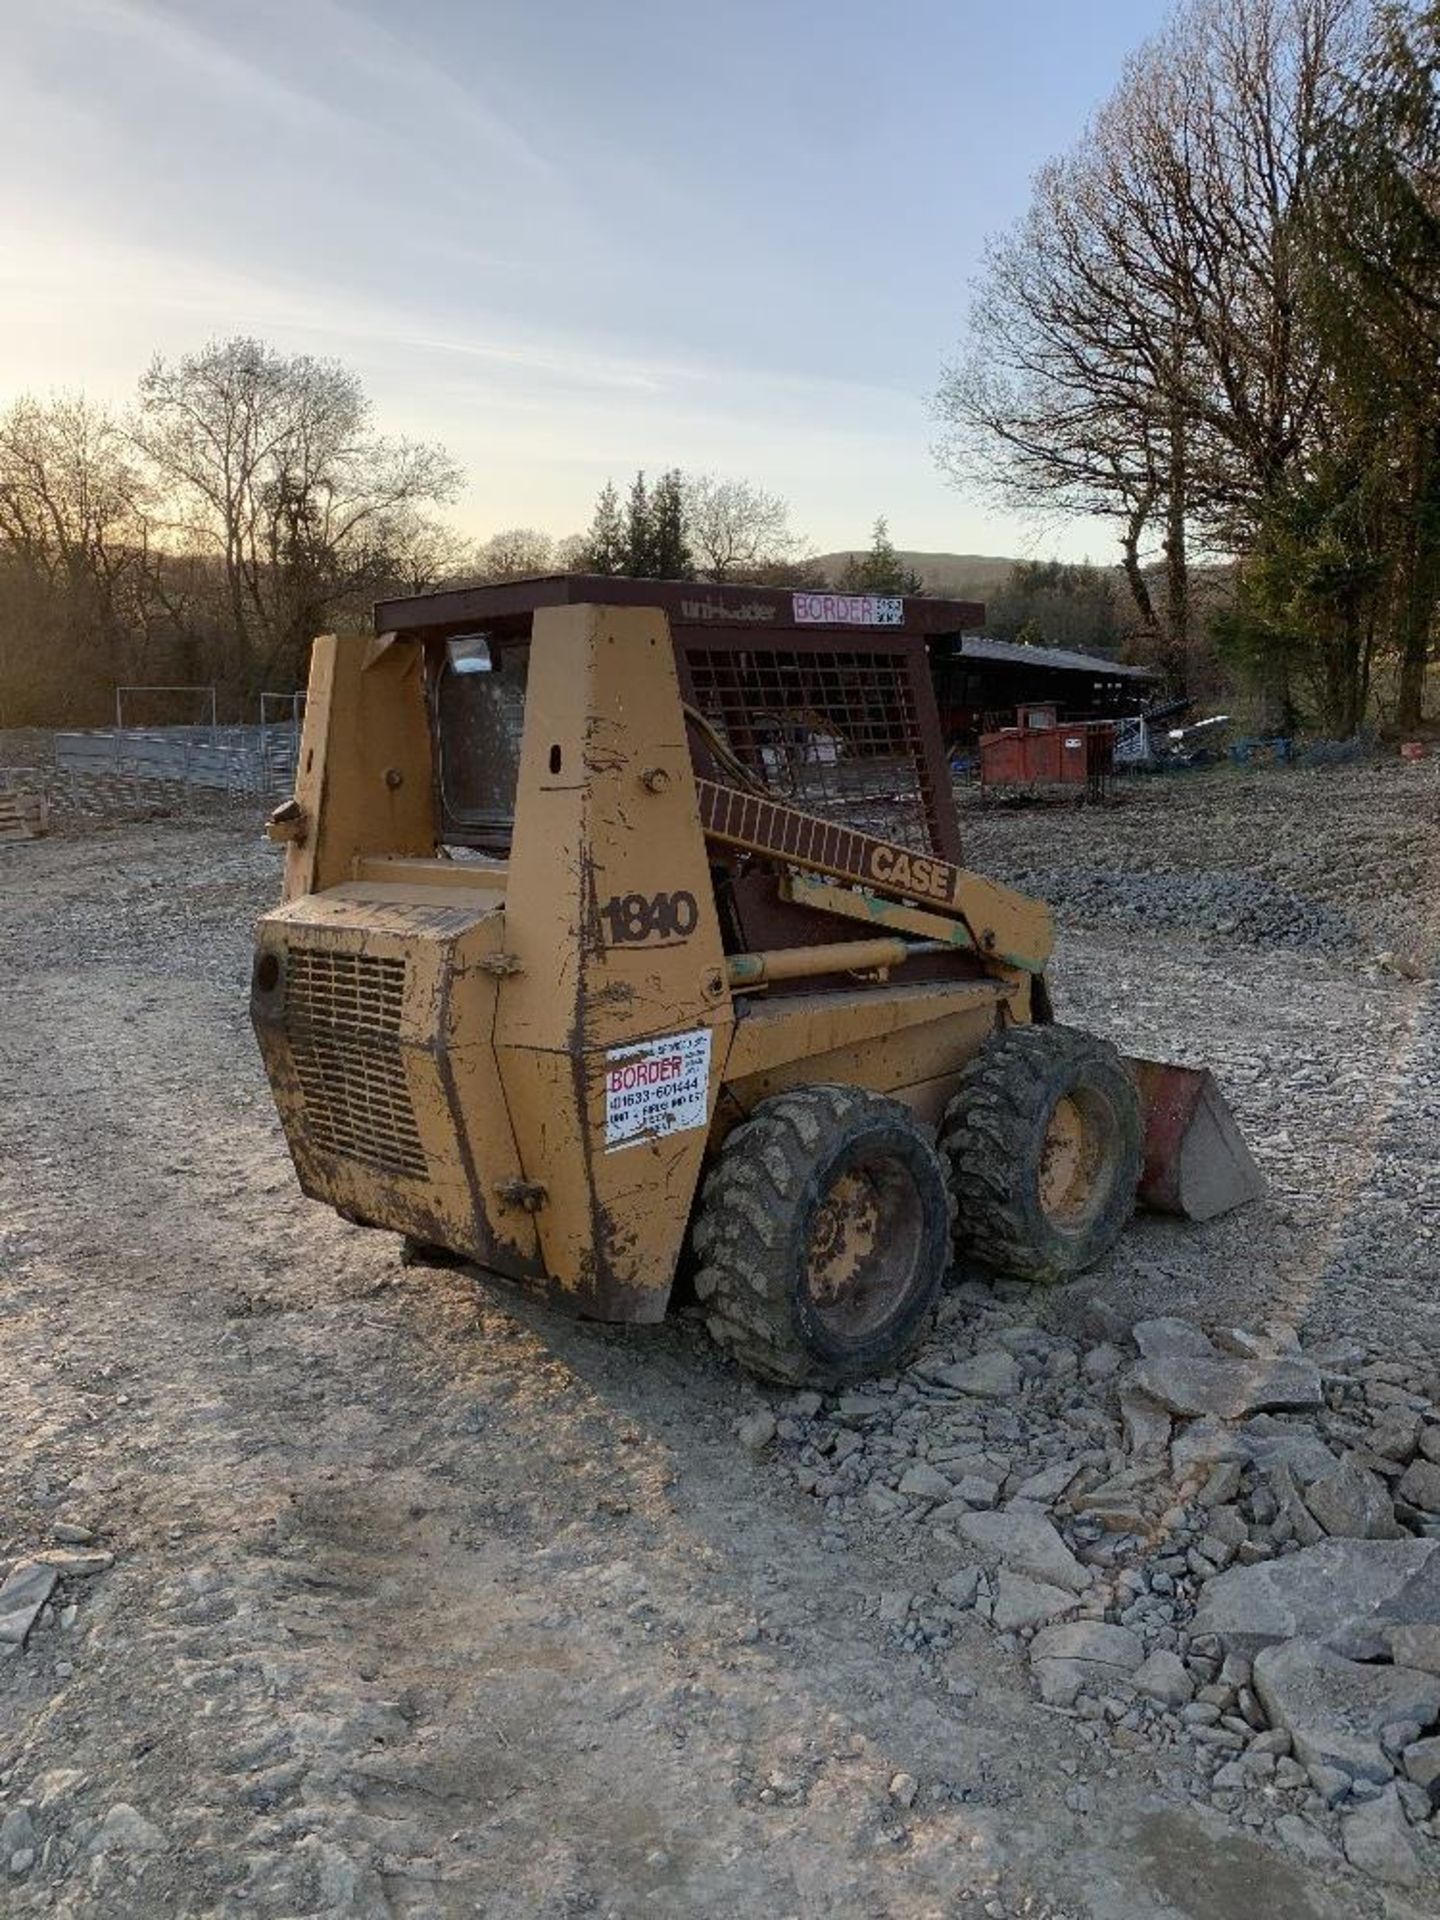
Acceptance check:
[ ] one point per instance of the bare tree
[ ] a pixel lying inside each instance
(270, 462)
(516, 554)
(735, 528)
(1057, 406)
(1137, 346)
(75, 543)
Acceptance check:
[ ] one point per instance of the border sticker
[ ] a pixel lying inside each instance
(847, 610)
(657, 1087)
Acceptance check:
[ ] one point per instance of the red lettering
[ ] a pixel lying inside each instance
(645, 1073)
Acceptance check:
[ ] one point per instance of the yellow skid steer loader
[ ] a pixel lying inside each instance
(624, 914)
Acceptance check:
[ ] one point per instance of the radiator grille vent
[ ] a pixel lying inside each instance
(342, 1015)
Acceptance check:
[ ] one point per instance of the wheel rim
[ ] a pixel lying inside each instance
(864, 1243)
(1073, 1158)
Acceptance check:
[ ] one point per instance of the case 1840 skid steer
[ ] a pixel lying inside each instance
(619, 914)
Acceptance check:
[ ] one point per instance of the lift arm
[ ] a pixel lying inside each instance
(1001, 925)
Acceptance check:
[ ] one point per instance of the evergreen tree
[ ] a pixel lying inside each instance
(881, 570)
(639, 532)
(1057, 603)
(605, 549)
(1376, 284)
(670, 554)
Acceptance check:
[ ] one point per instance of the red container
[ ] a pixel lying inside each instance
(1039, 755)
(1412, 750)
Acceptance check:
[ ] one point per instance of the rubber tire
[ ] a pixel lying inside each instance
(751, 1234)
(993, 1133)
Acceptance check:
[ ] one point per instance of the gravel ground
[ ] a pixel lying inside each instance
(402, 1596)
(1338, 861)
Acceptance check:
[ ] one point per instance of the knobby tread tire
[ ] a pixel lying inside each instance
(992, 1134)
(751, 1233)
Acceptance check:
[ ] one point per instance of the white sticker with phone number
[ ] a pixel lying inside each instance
(657, 1087)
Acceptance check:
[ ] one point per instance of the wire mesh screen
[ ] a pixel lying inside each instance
(837, 733)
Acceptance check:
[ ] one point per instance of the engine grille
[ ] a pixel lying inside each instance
(342, 1016)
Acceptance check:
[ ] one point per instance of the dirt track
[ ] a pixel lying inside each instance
(426, 1602)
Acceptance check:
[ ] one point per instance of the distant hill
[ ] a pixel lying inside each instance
(952, 576)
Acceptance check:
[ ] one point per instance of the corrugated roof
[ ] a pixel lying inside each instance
(978, 646)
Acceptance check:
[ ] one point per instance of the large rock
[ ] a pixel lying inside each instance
(1422, 1762)
(1027, 1603)
(21, 1598)
(1335, 1709)
(123, 1830)
(1225, 1386)
(1094, 1640)
(1262, 1441)
(1416, 1647)
(17, 1833)
(1286, 1488)
(1164, 1677)
(1081, 1653)
(1026, 1542)
(961, 1588)
(1049, 1483)
(1116, 1512)
(1300, 1837)
(1201, 1445)
(1269, 1442)
(1146, 1423)
(1377, 1841)
(988, 1376)
(925, 1482)
(1163, 1339)
(1352, 1503)
(1420, 1485)
(1346, 1593)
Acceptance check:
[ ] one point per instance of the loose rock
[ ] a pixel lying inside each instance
(1351, 1503)
(1165, 1338)
(1420, 1486)
(1027, 1543)
(1164, 1677)
(1228, 1388)
(24, 1593)
(1146, 1422)
(757, 1430)
(988, 1376)
(1027, 1603)
(123, 1830)
(1422, 1762)
(1377, 1840)
(960, 1589)
(925, 1482)
(1417, 1646)
(1303, 1839)
(1049, 1483)
(1078, 1653)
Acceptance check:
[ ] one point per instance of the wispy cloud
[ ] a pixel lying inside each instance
(403, 86)
(166, 35)
(182, 295)
(425, 94)
(567, 239)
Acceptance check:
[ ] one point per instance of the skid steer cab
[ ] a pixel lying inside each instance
(625, 917)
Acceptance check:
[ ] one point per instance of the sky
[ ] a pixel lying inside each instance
(566, 238)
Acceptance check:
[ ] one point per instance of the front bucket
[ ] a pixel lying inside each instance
(1196, 1163)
